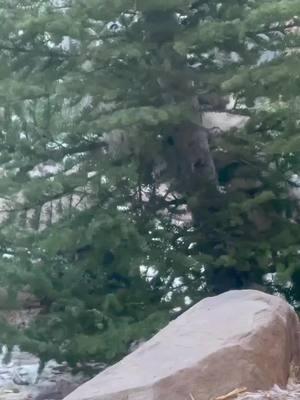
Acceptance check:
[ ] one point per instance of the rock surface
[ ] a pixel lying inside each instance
(238, 339)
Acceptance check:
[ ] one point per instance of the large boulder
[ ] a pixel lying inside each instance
(238, 339)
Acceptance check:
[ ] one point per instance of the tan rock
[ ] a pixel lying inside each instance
(223, 121)
(238, 339)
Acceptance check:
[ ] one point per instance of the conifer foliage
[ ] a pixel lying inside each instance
(119, 207)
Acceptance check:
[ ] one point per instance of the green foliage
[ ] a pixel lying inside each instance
(98, 101)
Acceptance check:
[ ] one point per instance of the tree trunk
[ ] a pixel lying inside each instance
(193, 159)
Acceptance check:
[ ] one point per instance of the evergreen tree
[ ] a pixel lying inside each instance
(103, 151)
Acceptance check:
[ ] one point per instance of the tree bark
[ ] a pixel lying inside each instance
(194, 162)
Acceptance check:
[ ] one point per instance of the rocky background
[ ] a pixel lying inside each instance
(19, 379)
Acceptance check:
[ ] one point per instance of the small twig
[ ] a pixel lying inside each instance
(234, 393)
